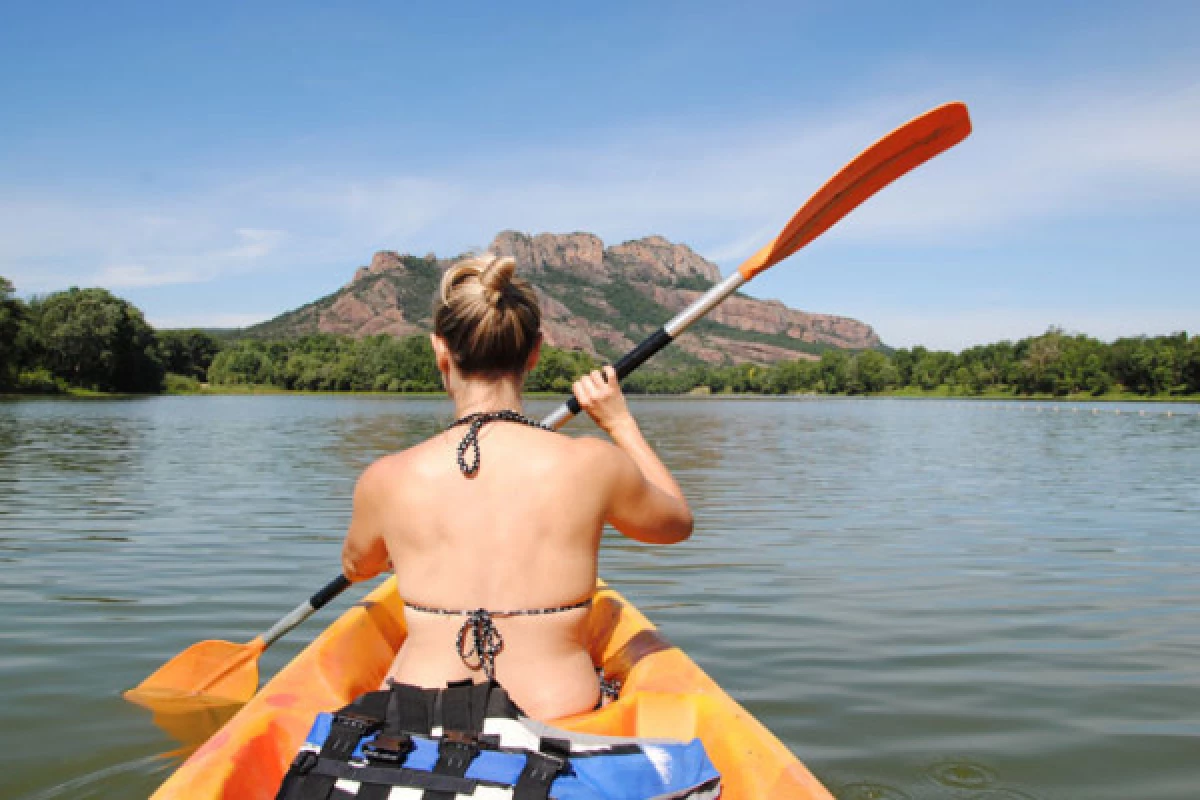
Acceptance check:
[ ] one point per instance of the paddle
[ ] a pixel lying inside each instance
(902, 150)
(216, 671)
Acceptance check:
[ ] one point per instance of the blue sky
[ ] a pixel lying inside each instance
(220, 163)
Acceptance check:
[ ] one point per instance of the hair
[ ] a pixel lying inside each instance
(489, 318)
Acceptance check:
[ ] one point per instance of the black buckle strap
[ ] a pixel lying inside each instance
(409, 709)
(346, 731)
(541, 770)
(388, 749)
(457, 707)
(456, 751)
(304, 762)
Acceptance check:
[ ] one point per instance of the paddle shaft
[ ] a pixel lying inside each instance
(305, 610)
(655, 342)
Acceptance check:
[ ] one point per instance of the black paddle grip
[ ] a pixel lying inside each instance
(632, 360)
(328, 592)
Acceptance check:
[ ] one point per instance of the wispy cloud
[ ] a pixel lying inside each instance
(50, 243)
(253, 244)
(120, 276)
(953, 329)
(201, 319)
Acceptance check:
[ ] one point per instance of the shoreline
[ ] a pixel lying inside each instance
(242, 390)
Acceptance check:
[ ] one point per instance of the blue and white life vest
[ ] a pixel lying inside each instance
(470, 742)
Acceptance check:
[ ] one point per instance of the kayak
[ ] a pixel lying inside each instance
(664, 694)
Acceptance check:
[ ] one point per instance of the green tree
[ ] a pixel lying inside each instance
(793, 376)
(1150, 365)
(875, 372)
(903, 361)
(557, 369)
(92, 339)
(835, 371)
(1094, 378)
(12, 320)
(932, 369)
(187, 352)
(1189, 367)
(244, 363)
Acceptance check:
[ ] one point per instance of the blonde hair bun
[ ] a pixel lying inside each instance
(496, 276)
(489, 317)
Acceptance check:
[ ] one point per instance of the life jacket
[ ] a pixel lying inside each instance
(471, 741)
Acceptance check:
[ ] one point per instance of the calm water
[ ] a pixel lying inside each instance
(923, 599)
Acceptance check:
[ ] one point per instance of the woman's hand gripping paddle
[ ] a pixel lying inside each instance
(216, 672)
(902, 150)
(221, 673)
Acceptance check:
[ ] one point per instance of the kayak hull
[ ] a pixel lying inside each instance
(664, 695)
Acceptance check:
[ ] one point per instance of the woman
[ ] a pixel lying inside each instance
(493, 526)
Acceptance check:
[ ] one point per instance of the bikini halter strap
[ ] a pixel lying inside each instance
(470, 440)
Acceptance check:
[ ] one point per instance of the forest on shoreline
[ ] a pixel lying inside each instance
(90, 340)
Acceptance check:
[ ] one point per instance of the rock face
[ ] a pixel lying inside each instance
(581, 254)
(652, 259)
(656, 260)
(597, 299)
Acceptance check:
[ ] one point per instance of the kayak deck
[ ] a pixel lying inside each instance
(664, 695)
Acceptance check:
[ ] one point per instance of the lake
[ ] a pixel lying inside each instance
(922, 598)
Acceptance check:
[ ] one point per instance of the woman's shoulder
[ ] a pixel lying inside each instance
(593, 451)
(385, 469)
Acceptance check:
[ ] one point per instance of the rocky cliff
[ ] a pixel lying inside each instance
(594, 298)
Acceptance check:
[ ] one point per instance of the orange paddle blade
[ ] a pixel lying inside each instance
(902, 150)
(206, 674)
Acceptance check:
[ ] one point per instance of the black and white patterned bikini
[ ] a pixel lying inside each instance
(479, 641)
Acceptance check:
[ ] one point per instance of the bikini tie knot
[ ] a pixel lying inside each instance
(479, 642)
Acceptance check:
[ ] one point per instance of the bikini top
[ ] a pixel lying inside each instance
(479, 641)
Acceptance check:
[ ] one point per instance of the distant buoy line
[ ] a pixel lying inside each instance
(1038, 408)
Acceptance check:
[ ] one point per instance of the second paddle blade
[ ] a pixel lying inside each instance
(207, 673)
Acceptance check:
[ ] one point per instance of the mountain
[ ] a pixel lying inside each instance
(594, 298)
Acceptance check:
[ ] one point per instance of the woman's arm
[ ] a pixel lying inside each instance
(364, 553)
(647, 503)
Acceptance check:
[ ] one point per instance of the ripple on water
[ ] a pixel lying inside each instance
(148, 770)
(962, 775)
(72, 598)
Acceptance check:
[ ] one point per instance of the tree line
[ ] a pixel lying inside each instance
(1054, 363)
(91, 339)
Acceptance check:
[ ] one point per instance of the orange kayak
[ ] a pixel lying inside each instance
(664, 695)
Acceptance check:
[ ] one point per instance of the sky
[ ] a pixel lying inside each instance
(220, 163)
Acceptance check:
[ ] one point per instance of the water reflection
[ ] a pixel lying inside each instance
(193, 727)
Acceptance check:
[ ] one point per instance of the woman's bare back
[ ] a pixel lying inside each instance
(521, 534)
